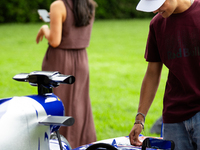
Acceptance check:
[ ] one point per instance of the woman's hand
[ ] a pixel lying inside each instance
(42, 32)
(54, 33)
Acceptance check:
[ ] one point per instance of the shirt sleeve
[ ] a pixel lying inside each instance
(152, 52)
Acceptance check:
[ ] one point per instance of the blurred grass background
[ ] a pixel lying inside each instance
(117, 67)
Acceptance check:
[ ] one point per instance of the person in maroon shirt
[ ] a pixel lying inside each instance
(173, 40)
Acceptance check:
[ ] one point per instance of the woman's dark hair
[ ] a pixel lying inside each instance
(83, 11)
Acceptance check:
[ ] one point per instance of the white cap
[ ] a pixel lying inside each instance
(149, 5)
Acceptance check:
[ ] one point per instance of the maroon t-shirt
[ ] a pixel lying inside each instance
(175, 41)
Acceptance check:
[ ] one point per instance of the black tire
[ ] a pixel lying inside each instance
(100, 146)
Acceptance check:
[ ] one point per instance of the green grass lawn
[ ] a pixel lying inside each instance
(117, 67)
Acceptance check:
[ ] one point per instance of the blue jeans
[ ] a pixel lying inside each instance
(186, 134)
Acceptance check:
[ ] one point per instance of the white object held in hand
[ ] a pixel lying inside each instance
(44, 14)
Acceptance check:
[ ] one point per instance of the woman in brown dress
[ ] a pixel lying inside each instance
(68, 37)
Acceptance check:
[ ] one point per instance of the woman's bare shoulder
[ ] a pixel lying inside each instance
(57, 4)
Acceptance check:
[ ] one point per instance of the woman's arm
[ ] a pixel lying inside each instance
(57, 17)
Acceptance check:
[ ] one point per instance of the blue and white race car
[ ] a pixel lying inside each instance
(32, 122)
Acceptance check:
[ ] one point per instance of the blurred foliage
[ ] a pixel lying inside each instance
(123, 9)
(21, 10)
(26, 11)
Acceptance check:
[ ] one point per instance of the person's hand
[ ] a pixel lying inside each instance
(41, 17)
(41, 34)
(134, 134)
